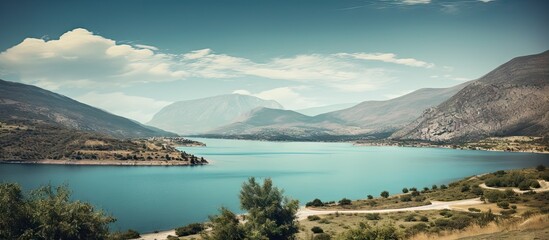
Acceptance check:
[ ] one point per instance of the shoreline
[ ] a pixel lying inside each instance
(101, 162)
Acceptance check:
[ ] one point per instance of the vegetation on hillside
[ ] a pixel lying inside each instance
(32, 141)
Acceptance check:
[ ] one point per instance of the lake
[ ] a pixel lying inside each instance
(160, 198)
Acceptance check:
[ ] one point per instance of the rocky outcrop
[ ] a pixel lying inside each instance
(513, 99)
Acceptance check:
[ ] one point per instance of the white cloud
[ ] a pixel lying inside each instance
(152, 48)
(137, 108)
(486, 1)
(242, 92)
(412, 2)
(82, 59)
(389, 58)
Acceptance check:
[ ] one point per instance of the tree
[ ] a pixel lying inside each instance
(434, 187)
(225, 226)
(370, 197)
(48, 214)
(384, 194)
(540, 168)
(317, 229)
(270, 214)
(345, 201)
(405, 190)
(315, 203)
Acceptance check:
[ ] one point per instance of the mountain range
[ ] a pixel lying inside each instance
(513, 99)
(30, 104)
(205, 114)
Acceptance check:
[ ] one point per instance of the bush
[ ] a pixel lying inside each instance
(345, 201)
(474, 210)
(405, 198)
(130, 234)
(424, 219)
(322, 236)
(313, 218)
(540, 168)
(415, 229)
(503, 204)
(315, 203)
(508, 212)
(190, 229)
(373, 216)
(415, 193)
(410, 218)
(434, 187)
(317, 229)
(384, 194)
(370, 197)
(477, 190)
(465, 188)
(405, 190)
(443, 186)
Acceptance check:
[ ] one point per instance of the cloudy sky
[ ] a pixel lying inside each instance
(134, 57)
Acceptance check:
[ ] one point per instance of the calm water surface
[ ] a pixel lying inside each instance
(160, 198)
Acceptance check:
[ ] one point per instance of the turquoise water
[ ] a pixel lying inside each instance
(160, 198)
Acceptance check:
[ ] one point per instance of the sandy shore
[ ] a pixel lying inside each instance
(100, 162)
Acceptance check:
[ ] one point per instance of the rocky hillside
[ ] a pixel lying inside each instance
(513, 99)
(26, 103)
(393, 114)
(205, 114)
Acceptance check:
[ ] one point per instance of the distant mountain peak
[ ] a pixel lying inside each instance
(204, 114)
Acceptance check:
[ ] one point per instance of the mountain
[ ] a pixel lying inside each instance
(205, 114)
(324, 109)
(390, 115)
(278, 124)
(26, 103)
(513, 99)
(367, 119)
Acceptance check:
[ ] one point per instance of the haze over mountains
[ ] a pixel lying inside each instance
(205, 114)
(374, 118)
(30, 104)
(513, 99)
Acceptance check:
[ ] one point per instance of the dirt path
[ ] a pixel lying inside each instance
(544, 187)
(303, 212)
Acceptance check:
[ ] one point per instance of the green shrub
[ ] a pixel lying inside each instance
(190, 229)
(345, 201)
(443, 186)
(415, 229)
(384, 194)
(405, 190)
(465, 188)
(322, 236)
(508, 212)
(315, 203)
(410, 218)
(317, 229)
(313, 218)
(540, 168)
(405, 198)
(370, 197)
(503, 204)
(424, 219)
(373, 216)
(434, 187)
(474, 210)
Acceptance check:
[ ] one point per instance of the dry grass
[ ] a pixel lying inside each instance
(514, 228)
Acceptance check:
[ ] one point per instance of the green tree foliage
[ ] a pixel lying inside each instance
(315, 203)
(405, 190)
(225, 226)
(48, 214)
(345, 201)
(190, 229)
(540, 168)
(270, 214)
(384, 194)
(317, 229)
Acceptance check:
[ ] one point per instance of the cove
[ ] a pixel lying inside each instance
(160, 198)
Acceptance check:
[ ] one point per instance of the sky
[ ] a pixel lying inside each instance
(134, 57)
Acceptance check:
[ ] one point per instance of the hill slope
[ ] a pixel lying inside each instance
(367, 119)
(20, 102)
(205, 114)
(390, 115)
(513, 99)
